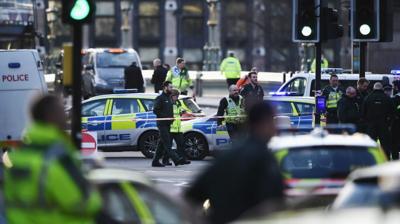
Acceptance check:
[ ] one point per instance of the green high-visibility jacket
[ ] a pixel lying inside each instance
(180, 79)
(324, 64)
(230, 68)
(176, 125)
(44, 184)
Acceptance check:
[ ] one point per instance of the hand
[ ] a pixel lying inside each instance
(194, 96)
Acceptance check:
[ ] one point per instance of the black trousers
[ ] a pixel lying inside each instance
(180, 145)
(331, 117)
(231, 81)
(164, 145)
(380, 130)
(236, 132)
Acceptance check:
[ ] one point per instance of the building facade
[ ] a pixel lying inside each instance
(259, 31)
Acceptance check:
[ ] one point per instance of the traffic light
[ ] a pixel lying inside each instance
(77, 11)
(306, 21)
(330, 27)
(365, 20)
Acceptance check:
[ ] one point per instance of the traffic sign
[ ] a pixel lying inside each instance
(89, 143)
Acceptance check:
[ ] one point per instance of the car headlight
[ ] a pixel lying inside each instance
(99, 81)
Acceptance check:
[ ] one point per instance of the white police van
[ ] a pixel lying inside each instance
(21, 79)
(302, 84)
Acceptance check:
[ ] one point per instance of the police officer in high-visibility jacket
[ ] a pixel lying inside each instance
(232, 108)
(44, 183)
(179, 76)
(176, 132)
(230, 68)
(332, 94)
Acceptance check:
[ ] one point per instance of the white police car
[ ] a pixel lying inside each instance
(126, 121)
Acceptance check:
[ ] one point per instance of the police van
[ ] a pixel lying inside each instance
(107, 66)
(21, 80)
(302, 84)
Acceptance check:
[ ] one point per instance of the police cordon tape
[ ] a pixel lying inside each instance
(181, 118)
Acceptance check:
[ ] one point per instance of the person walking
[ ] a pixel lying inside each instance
(176, 129)
(362, 93)
(245, 176)
(230, 68)
(332, 94)
(134, 78)
(44, 183)
(179, 77)
(232, 107)
(252, 92)
(159, 75)
(163, 108)
(378, 111)
(349, 111)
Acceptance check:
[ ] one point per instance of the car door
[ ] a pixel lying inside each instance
(305, 112)
(122, 118)
(94, 119)
(285, 108)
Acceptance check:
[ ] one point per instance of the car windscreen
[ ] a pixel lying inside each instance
(189, 102)
(325, 162)
(118, 60)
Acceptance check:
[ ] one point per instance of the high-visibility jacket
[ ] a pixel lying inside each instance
(180, 78)
(324, 64)
(230, 68)
(235, 113)
(44, 184)
(332, 97)
(176, 125)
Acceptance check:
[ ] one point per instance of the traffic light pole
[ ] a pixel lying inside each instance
(363, 58)
(318, 55)
(76, 85)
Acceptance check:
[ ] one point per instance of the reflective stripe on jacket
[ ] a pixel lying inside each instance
(180, 79)
(234, 113)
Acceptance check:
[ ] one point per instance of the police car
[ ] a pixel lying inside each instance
(317, 163)
(203, 136)
(130, 197)
(126, 121)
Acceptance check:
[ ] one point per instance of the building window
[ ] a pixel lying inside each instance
(105, 24)
(192, 33)
(235, 24)
(149, 31)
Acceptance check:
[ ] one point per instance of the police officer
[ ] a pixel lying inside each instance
(179, 77)
(176, 126)
(332, 94)
(163, 108)
(232, 107)
(45, 184)
(324, 64)
(349, 112)
(230, 68)
(377, 111)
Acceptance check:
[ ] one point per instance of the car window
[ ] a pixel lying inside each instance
(296, 87)
(119, 60)
(148, 104)
(325, 162)
(189, 102)
(163, 210)
(93, 108)
(304, 108)
(124, 106)
(282, 108)
(117, 205)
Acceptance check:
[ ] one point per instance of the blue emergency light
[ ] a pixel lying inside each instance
(14, 65)
(122, 91)
(395, 72)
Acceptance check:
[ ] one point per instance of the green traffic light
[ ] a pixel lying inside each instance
(80, 10)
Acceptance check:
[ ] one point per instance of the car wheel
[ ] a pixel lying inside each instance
(196, 146)
(148, 143)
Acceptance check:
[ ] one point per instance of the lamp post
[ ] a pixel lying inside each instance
(126, 9)
(212, 48)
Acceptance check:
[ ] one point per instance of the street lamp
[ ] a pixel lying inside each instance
(212, 48)
(126, 8)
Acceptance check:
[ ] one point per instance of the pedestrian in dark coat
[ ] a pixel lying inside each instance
(349, 112)
(244, 177)
(159, 75)
(134, 78)
(378, 111)
(362, 93)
